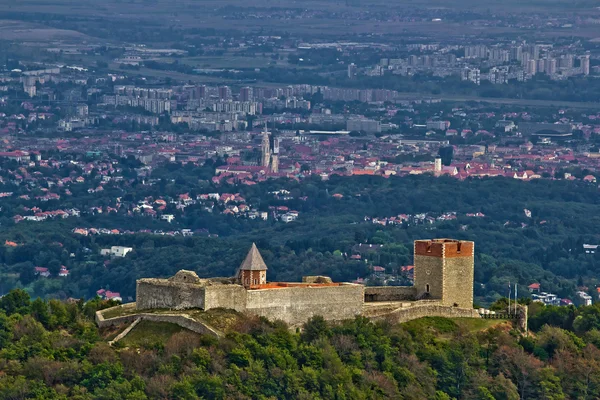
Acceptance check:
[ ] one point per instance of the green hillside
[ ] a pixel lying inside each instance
(53, 350)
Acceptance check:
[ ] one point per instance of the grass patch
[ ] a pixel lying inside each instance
(222, 319)
(444, 329)
(432, 325)
(110, 332)
(478, 324)
(120, 312)
(150, 334)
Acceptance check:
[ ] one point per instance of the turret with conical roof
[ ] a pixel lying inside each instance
(253, 270)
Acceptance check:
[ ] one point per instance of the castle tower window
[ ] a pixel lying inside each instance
(427, 288)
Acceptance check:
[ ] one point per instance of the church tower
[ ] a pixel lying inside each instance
(275, 156)
(265, 149)
(444, 270)
(253, 270)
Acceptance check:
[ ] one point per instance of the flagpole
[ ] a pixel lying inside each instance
(516, 298)
(509, 294)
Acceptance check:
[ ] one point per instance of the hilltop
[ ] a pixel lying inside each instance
(53, 350)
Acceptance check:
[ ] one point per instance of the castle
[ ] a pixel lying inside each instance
(443, 286)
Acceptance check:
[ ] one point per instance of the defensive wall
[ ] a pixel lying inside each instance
(295, 305)
(182, 320)
(425, 309)
(183, 290)
(390, 293)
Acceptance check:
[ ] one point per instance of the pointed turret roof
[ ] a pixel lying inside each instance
(253, 261)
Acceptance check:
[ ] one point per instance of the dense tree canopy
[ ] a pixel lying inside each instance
(53, 350)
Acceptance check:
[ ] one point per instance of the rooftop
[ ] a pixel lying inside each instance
(253, 261)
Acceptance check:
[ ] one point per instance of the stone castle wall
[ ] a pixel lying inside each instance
(390, 293)
(295, 305)
(427, 310)
(179, 319)
(162, 293)
(225, 296)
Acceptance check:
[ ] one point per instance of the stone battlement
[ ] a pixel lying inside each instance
(447, 248)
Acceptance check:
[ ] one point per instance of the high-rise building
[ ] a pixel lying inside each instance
(565, 61)
(451, 59)
(363, 124)
(550, 66)
(516, 52)
(427, 61)
(224, 93)
(478, 51)
(541, 66)
(200, 92)
(246, 94)
(471, 75)
(585, 64)
(444, 270)
(525, 57)
(531, 67)
(499, 55)
(534, 51)
(352, 71)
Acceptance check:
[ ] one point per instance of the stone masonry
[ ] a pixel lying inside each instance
(443, 275)
(444, 270)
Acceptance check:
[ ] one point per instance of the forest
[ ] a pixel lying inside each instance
(510, 246)
(546, 248)
(53, 350)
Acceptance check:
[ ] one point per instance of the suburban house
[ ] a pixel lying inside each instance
(116, 251)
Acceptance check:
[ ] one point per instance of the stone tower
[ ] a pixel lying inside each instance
(253, 271)
(265, 149)
(444, 271)
(275, 156)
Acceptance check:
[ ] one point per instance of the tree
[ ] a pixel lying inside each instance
(520, 367)
(54, 267)
(27, 273)
(315, 328)
(16, 301)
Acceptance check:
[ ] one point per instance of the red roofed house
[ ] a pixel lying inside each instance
(534, 287)
(589, 178)
(41, 271)
(108, 295)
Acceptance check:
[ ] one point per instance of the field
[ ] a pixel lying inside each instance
(447, 326)
(319, 18)
(24, 31)
(147, 333)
